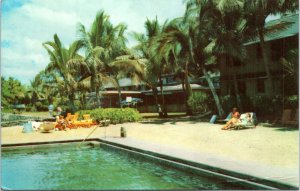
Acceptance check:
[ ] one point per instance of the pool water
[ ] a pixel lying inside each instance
(92, 168)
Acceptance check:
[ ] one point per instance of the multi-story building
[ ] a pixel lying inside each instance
(250, 74)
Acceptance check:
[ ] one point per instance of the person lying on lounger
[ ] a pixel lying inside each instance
(234, 120)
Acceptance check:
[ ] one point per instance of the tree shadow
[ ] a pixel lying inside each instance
(287, 128)
(173, 121)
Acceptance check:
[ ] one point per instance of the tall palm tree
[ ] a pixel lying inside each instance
(155, 66)
(102, 44)
(229, 36)
(256, 12)
(193, 34)
(59, 58)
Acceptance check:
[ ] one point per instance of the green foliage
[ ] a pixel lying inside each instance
(200, 102)
(291, 102)
(267, 104)
(40, 106)
(115, 115)
(12, 92)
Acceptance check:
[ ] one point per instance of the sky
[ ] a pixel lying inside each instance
(26, 24)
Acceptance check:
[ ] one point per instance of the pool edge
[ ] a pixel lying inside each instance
(273, 184)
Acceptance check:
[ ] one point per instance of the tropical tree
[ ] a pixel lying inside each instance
(192, 37)
(59, 58)
(12, 92)
(127, 66)
(256, 12)
(291, 65)
(229, 35)
(102, 44)
(155, 65)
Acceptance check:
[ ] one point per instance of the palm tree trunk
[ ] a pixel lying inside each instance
(214, 93)
(184, 92)
(119, 92)
(188, 90)
(236, 90)
(265, 61)
(97, 97)
(165, 114)
(155, 93)
(71, 102)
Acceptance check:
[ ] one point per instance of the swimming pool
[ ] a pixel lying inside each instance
(98, 166)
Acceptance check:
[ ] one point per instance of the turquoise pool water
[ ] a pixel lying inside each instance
(93, 168)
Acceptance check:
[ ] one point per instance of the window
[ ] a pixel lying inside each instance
(260, 85)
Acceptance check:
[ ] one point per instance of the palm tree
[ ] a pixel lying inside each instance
(35, 90)
(177, 35)
(155, 66)
(193, 35)
(229, 36)
(127, 66)
(102, 44)
(256, 12)
(59, 58)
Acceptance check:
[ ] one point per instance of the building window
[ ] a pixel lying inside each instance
(260, 85)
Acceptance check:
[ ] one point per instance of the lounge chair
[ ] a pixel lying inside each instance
(229, 116)
(245, 121)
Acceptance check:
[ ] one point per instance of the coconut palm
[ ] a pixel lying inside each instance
(102, 44)
(35, 90)
(127, 66)
(229, 36)
(59, 58)
(256, 12)
(192, 35)
(155, 65)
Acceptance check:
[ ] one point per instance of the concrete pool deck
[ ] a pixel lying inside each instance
(266, 152)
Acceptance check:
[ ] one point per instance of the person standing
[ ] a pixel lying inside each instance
(50, 109)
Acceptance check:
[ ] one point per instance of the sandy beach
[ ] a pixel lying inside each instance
(269, 147)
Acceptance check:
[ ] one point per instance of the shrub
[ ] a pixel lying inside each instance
(267, 105)
(200, 102)
(41, 107)
(115, 115)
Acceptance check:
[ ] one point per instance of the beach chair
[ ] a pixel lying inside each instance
(247, 120)
(229, 116)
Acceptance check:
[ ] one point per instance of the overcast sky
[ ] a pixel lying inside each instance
(26, 24)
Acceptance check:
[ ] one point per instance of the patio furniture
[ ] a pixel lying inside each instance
(247, 120)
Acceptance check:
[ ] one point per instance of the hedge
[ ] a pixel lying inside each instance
(115, 115)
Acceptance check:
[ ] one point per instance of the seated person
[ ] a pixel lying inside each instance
(232, 121)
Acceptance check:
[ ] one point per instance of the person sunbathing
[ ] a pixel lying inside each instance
(234, 120)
